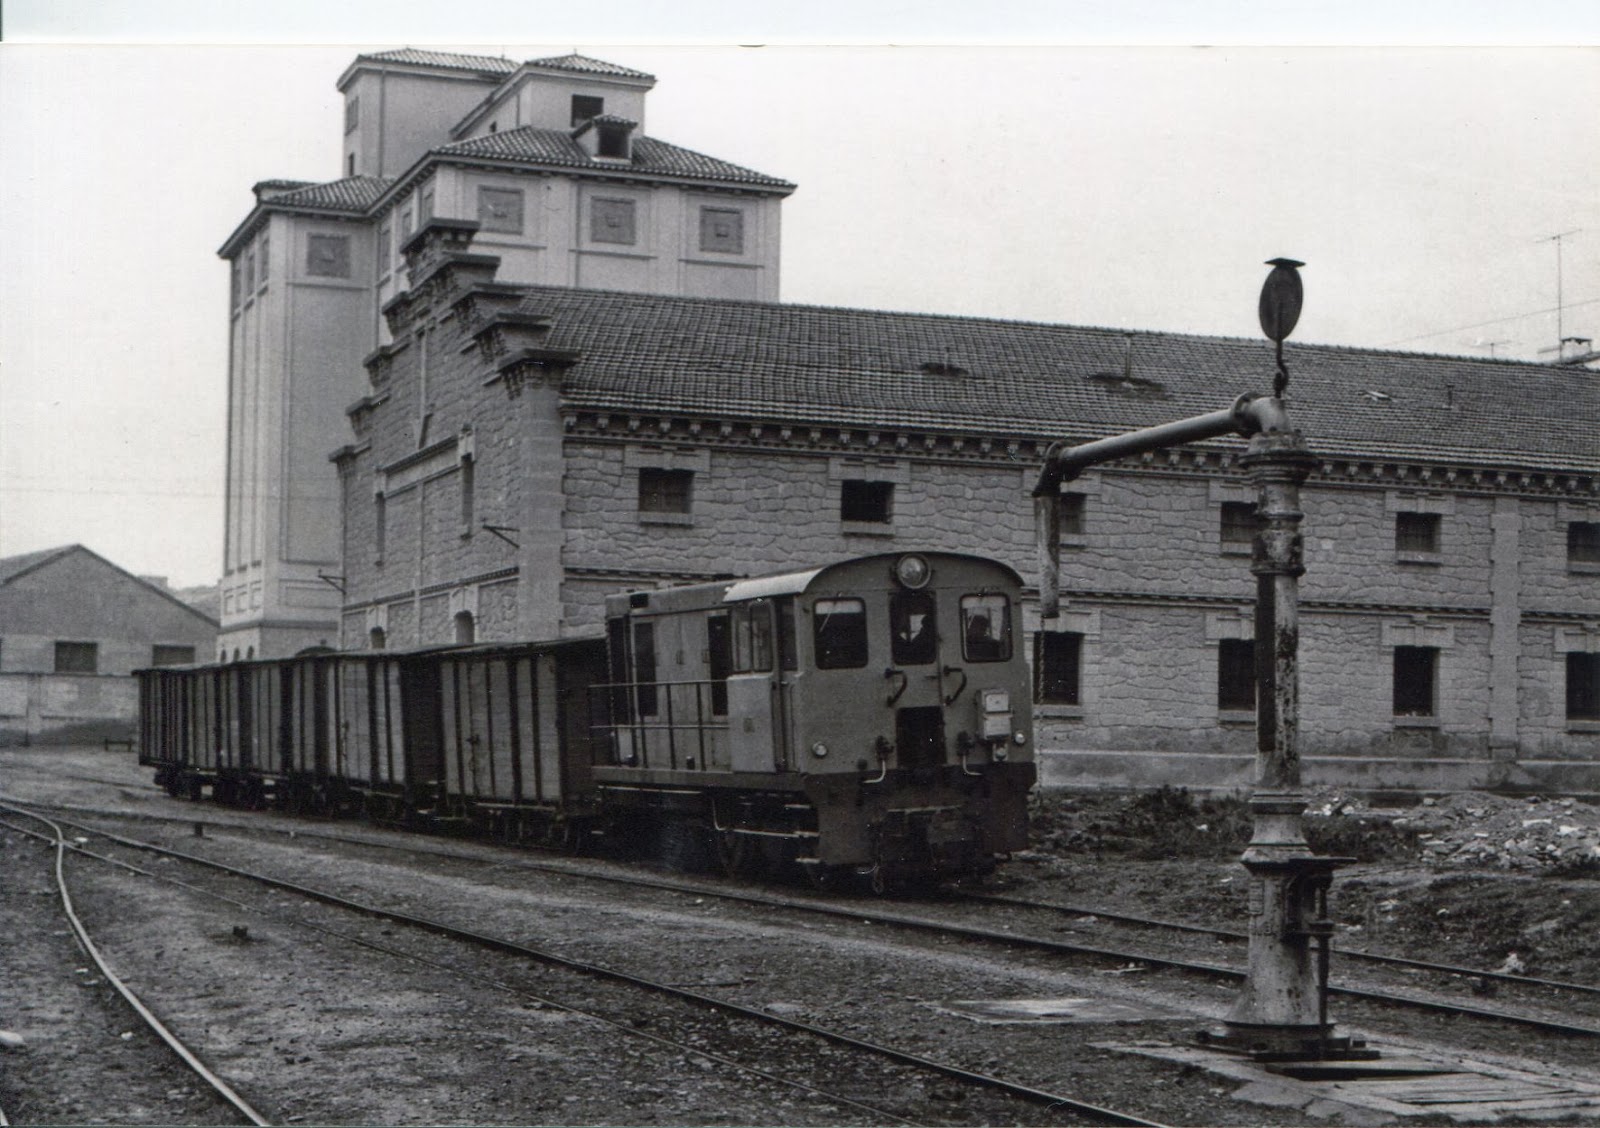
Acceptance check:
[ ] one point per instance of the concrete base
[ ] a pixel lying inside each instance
(1142, 769)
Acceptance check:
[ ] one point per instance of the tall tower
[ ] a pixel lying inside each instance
(551, 159)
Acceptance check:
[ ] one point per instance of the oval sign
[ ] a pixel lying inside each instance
(1281, 298)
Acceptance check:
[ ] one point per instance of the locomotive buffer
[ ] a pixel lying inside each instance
(1281, 1013)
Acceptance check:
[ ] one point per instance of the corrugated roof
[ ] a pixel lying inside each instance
(351, 194)
(480, 64)
(650, 157)
(886, 370)
(583, 64)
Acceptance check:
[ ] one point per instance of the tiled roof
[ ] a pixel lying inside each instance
(13, 566)
(871, 368)
(583, 64)
(481, 64)
(352, 194)
(650, 157)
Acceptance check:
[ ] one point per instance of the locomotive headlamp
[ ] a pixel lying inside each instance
(1021, 738)
(999, 753)
(912, 571)
(819, 750)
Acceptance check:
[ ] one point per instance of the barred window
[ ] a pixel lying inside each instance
(1416, 532)
(1583, 542)
(165, 655)
(665, 491)
(1238, 529)
(1057, 668)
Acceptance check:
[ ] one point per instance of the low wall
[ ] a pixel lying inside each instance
(1140, 769)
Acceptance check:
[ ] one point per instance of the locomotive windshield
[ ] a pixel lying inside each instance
(911, 626)
(985, 628)
(840, 633)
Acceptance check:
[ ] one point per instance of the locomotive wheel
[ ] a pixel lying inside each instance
(740, 855)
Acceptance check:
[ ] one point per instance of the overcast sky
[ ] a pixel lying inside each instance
(1131, 187)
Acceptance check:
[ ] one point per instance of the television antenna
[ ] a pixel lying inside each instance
(1561, 331)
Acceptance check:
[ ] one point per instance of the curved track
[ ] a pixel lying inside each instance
(1031, 1096)
(184, 1053)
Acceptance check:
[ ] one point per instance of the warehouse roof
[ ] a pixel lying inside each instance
(886, 370)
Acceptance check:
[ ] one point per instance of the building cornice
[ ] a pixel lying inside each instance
(592, 424)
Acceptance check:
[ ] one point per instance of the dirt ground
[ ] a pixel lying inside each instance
(1477, 880)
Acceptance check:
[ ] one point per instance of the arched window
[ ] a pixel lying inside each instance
(464, 628)
(235, 653)
(250, 653)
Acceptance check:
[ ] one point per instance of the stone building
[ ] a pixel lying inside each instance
(551, 159)
(73, 628)
(523, 450)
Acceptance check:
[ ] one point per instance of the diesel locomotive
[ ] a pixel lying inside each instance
(869, 716)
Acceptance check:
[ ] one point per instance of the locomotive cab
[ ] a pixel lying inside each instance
(873, 713)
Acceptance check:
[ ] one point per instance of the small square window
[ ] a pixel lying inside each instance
(722, 230)
(328, 256)
(1057, 668)
(1416, 533)
(612, 221)
(613, 141)
(665, 491)
(1415, 681)
(77, 657)
(1583, 687)
(1238, 528)
(866, 502)
(1583, 543)
(1236, 675)
(586, 106)
(161, 655)
(500, 209)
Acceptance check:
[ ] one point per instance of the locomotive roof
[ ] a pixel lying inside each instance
(785, 583)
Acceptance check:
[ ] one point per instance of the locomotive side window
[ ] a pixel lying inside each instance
(911, 628)
(719, 658)
(840, 633)
(985, 628)
(752, 637)
(644, 666)
(788, 654)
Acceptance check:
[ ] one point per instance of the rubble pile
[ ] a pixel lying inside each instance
(1484, 831)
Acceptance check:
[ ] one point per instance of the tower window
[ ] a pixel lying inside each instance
(613, 141)
(500, 209)
(328, 256)
(586, 106)
(722, 230)
(612, 221)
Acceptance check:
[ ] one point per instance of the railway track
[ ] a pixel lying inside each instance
(872, 911)
(1048, 1106)
(202, 1071)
